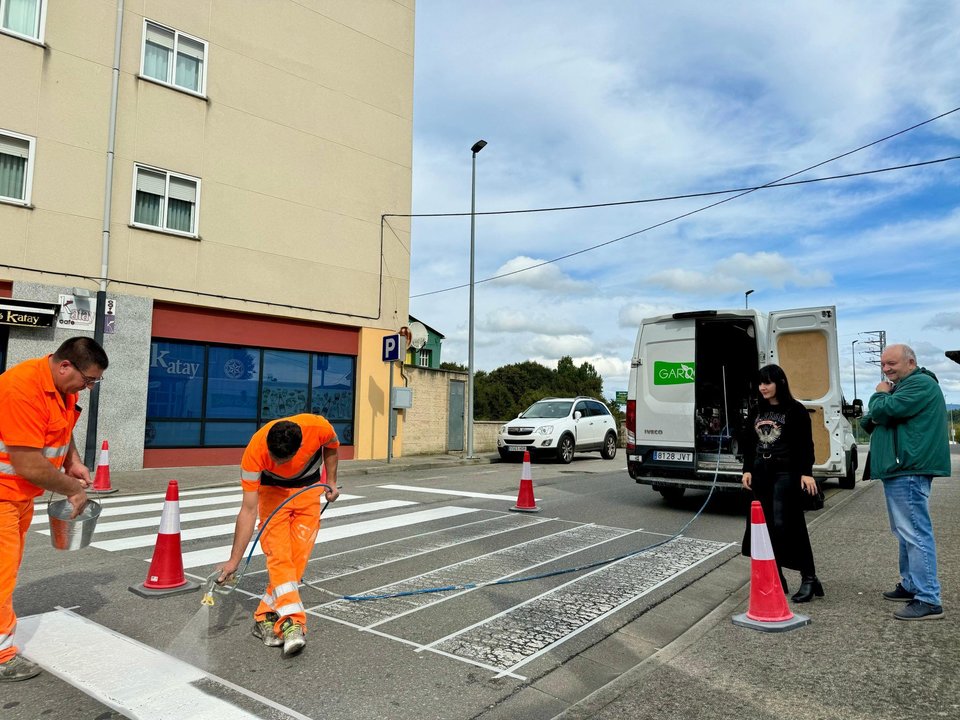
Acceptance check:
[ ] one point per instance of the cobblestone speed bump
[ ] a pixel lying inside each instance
(768, 610)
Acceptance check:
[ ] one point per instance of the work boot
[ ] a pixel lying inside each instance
(263, 629)
(293, 639)
(18, 668)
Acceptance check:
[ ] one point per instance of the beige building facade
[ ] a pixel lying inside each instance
(210, 207)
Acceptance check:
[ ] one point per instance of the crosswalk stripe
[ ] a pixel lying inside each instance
(160, 687)
(212, 556)
(458, 493)
(157, 508)
(209, 531)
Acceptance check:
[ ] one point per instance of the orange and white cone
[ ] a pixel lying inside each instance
(165, 576)
(768, 609)
(525, 500)
(101, 481)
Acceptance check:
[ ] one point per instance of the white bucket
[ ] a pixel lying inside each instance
(75, 533)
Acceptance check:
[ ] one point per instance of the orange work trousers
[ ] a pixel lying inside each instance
(15, 518)
(287, 542)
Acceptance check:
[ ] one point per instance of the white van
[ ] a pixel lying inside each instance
(693, 381)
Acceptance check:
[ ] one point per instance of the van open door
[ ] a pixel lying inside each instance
(804, 343)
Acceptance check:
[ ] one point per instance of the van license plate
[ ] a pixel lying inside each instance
(516, 448)
(672, 456)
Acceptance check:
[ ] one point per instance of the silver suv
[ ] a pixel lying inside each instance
(558, 427)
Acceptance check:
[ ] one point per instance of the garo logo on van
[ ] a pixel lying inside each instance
(668, 373)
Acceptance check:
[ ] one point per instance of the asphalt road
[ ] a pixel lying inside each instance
(463, 653)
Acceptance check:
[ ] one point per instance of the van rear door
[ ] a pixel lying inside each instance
(804, 343)
(665, 384)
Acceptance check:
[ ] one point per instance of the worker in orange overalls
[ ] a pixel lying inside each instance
(281, 459)
(38, 411)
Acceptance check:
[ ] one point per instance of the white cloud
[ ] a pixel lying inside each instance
(945, 320)
(520, 321)
(544, 277)
(556, 346)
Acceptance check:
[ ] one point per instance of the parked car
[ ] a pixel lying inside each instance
(558, 427)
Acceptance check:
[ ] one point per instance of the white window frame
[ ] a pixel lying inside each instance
(171, 82)
(194, 231)
(424, 356)
(41, 23)
(28, 177)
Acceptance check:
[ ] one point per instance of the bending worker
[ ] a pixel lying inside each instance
(38, 411)
(282, 458)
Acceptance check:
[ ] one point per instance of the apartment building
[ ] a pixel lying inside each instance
(200, 185)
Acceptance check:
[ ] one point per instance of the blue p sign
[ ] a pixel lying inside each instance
(391, 348)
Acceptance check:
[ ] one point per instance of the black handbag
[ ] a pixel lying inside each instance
(813, 502)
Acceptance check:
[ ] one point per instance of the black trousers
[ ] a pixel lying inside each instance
(780, 496)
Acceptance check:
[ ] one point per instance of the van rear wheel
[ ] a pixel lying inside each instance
(670, 492)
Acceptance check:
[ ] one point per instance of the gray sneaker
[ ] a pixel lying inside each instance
(898, 594)
(919, 610)
(293, 639)
(18, 668)
(263, 629)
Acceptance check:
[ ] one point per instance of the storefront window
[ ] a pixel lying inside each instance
(217, 396)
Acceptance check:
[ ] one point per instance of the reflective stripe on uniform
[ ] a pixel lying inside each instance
(7, 469)
(268, 600)
(286, 587)
(289, 609)
(6, 642)
(249, 474)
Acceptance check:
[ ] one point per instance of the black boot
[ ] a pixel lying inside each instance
(808, 588)
(783, 581)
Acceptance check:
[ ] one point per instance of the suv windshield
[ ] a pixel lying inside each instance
(547, 409)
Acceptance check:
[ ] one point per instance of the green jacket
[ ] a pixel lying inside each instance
(908, 429)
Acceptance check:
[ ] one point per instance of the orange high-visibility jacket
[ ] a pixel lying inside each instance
(33, 414)
(303, 469)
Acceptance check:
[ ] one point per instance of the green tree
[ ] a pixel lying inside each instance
(453, 366)
(503, 393)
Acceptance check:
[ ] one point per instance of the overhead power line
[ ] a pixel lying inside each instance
(738, 193)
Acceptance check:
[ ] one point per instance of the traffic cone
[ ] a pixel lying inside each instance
(101, 481)
(165, 576)
(525, 500)
(768, 609)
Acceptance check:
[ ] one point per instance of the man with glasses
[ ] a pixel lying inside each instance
(38, 411)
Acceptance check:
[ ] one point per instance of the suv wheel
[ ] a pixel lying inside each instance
(565, 450)
(609, 449)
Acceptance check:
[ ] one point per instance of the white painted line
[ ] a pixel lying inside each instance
(208, 531)
(458, 493)
(133, 679)
(212, 556)
(232, 499)
(120, 499)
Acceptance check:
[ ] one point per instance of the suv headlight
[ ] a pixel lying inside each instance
(545, 430)
(503, 429)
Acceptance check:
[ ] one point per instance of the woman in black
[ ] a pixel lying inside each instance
(778, 467)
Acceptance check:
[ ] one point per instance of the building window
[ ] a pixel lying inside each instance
(165, 200)
(174, 58)
(217, 395)
(423, 357)
(23, 18)
(16, 167)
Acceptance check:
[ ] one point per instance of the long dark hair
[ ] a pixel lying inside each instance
(775, 374)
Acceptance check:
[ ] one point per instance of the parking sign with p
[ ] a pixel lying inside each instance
(391, 348)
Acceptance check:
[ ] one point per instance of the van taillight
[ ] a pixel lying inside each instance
(631, 423)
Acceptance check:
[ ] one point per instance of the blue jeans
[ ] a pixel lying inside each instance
(908, 505)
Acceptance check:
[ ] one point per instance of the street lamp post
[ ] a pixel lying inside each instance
(477, 147)
(746, 295)
(853, 352)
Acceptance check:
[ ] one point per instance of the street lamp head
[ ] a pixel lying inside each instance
(478, 146)
(748, 292)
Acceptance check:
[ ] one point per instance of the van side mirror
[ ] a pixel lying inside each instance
(854, 409)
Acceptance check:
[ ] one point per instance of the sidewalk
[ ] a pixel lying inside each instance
(854, 661)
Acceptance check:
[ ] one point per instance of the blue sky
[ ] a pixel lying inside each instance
(620, 100)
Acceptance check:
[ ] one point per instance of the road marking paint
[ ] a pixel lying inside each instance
(208, 531)
(133, 679)
(458, 493)
(212, 556)
(157, 508)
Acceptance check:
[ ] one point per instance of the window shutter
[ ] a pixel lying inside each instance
(191, 48)
(159, 36)
(181, 189)
(151, 182)
(14, 146)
